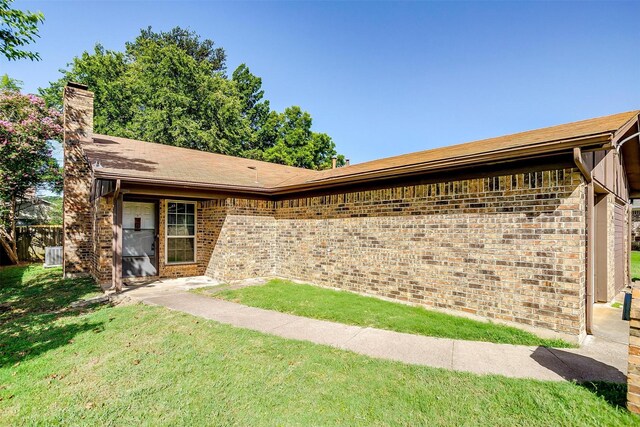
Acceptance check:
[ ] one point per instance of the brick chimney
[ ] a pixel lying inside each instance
(334, 162)
(77, 226)
(78, 112)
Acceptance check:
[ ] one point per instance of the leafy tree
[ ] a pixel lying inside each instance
(156, 91)
(104, 71)
(26, 128)
(187, 41)
(294, 144)
(170, 88)
(7, 82)
(54, 212)
(17, 29)
(250, 90)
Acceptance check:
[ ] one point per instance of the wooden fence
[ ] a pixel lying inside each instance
(32, 239)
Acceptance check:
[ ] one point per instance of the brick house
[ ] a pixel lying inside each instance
(529, 229)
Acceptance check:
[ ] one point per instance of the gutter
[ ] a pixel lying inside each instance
(629, 138)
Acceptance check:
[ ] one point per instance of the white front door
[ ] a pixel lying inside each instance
(138, 239)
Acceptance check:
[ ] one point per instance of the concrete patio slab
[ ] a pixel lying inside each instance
(141, 288)
(608, 324)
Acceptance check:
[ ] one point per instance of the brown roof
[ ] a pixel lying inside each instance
(127, 158)
(137, 160)
(547, 137)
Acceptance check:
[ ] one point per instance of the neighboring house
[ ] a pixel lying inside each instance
(635, 226)
(32, 209)
(529, 228)
(35, 210)
(38, 222)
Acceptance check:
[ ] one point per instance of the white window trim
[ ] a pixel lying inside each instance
(166, 232)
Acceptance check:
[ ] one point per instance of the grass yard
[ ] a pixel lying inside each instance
(141, 365)
(635, 265)
(353, 309)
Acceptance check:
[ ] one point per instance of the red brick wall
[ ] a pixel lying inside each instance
(102, 234)
(246, 244)
(509, 248)
(210, 218)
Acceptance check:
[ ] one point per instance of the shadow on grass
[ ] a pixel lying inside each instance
(615, 394)
(22, 341)
(611, 384)
(32, 299)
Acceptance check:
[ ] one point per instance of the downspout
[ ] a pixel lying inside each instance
(590, 218)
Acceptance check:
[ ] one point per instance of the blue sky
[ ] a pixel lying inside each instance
(385, 78)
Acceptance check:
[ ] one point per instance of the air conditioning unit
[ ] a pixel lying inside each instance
(52, 256)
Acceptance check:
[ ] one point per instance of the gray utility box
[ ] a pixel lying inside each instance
(53, 256)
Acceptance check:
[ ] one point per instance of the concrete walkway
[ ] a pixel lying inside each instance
(597, 359)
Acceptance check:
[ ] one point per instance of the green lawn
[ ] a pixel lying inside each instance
(353, 309)
(141, 365)
(635, 265)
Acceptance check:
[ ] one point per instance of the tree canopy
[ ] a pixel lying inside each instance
(17, 29)
(26, 128)
(171, 88)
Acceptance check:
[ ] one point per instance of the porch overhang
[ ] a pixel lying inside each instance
(627, 143)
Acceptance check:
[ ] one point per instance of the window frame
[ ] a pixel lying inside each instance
(194, 236)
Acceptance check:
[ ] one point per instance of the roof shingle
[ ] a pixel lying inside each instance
(126, 158)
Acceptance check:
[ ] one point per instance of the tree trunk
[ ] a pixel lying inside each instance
(8, 245)
(12, 220)
(9, 240)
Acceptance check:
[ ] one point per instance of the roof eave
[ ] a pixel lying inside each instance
(598, 141)
(620, 133)
(592, 141)
(182, 184)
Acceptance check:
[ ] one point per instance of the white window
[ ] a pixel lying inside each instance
(181, 232)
